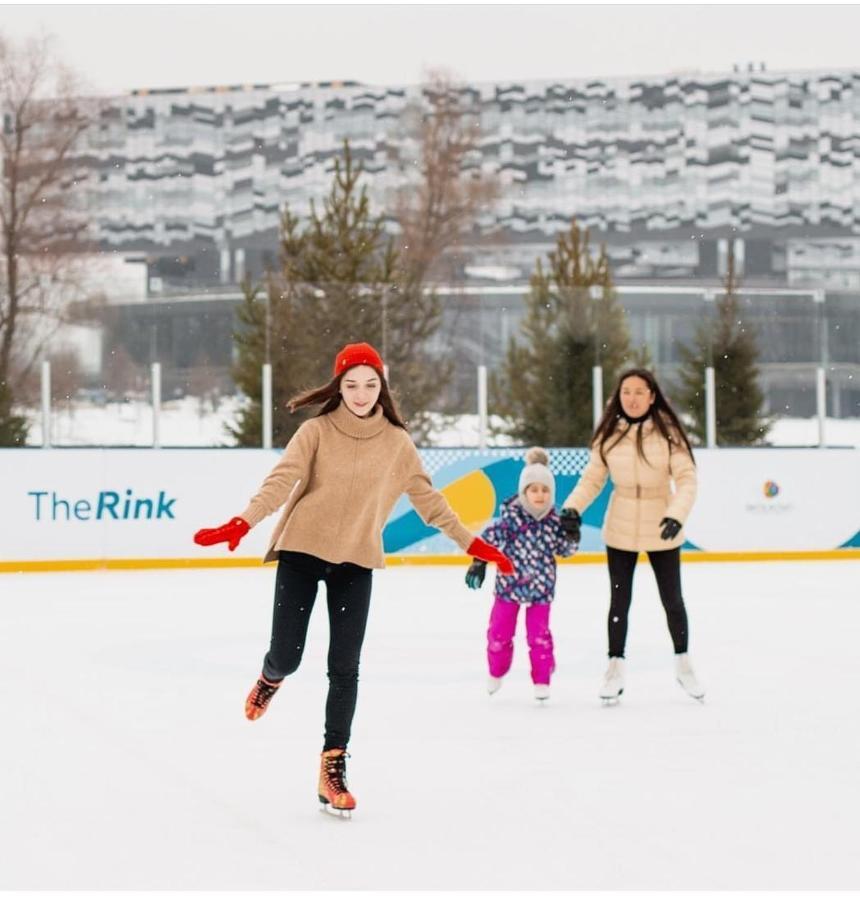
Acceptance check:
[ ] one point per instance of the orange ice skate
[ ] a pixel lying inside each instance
(333, 793)
(257, 701)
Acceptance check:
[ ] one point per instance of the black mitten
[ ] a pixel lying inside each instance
(476, 573)
(671, 527)
(571, 522)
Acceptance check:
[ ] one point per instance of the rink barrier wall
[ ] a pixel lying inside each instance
(696, 556)
(67, 509)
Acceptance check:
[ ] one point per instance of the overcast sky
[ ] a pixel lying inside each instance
(118, 47)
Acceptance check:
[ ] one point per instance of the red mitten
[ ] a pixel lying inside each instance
(232, 532)
(489, 553)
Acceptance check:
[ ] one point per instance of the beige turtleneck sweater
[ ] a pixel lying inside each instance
(340, 477)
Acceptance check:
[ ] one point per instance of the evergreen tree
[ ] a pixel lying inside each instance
(13, 427)
(573, 322)
(730, 345)
(340, 282)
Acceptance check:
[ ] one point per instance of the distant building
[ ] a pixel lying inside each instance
(665, 168)
(670, 171)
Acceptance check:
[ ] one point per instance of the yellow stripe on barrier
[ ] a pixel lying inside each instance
(245, 562)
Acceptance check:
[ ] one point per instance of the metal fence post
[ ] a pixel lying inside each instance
(596, 394)
(46, 403)
(821, 403)
(710, 408)
(267, 406)
(482, 407)
(156, 405)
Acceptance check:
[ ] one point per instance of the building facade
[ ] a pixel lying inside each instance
(670, 172)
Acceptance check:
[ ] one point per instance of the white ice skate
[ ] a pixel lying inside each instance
(493, 684)
(686, 677)
(541, 692)
(613, 681)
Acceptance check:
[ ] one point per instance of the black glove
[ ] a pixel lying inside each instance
(476, 573)
(570, 523)
(670, 528)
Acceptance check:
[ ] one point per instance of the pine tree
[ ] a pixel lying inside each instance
(13, 427)
(340, 282)
(544, 386)
(730, 345)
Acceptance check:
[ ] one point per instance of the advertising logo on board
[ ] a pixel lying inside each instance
(49, 506)
(771, 490)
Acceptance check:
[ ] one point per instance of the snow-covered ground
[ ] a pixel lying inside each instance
(126, 761)
(185, 423)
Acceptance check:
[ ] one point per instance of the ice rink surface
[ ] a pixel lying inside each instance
(126, 761)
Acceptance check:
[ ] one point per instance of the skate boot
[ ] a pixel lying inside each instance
(613, 681)
(541, 692)
(333, 793)
(686, 677)
(493, 684)
(257, 701)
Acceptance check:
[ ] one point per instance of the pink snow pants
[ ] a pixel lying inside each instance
(500, 639)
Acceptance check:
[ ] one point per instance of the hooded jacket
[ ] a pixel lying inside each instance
(532, 545)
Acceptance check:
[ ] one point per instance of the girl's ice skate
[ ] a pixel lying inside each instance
(613, 681)
(686, 677)
(258, 700)
(493, 684)
(541, 692)
(333, 794)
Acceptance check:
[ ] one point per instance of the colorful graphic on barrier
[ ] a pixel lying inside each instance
(88, 507)
(476, 483)
(771, 489)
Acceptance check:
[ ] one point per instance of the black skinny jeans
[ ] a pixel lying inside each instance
(667, 569)
(348, 593)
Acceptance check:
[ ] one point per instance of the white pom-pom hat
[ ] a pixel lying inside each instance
(536, 471)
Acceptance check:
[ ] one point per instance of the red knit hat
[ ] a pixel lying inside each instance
(357, 355)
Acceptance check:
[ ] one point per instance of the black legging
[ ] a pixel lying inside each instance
(348, 593)
(667, 569)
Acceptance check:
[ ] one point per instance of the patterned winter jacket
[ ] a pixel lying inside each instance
(532, 545)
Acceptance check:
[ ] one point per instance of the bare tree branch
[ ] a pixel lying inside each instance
(44, 115)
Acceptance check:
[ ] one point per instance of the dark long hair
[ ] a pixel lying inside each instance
(329, 396)
(665, 420)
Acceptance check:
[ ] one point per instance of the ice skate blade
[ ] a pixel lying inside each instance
(329, 810)
(699, 697)
(611, 700)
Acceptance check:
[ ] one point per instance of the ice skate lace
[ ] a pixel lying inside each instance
(335, 772)
(263, 693)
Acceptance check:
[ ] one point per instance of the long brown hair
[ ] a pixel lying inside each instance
(665, 420)
(329, 396)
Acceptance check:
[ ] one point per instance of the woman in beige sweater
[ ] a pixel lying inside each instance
(642, 446)
(337, 481)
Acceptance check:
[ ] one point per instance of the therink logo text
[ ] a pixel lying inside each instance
(108, 505)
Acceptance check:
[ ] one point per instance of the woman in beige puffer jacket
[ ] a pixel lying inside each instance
(642, 446)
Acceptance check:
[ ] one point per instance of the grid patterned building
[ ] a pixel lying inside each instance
(662, 167)
(666, 170)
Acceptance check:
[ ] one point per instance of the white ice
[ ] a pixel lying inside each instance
(126, 761)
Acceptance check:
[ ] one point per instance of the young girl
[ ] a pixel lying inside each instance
(340, 476)
(640, 443)
(530, 532)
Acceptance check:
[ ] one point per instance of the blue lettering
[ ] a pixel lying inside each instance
(107, 503)
(164, 507)
(57, 503)
(138, 506)
(38, 495)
